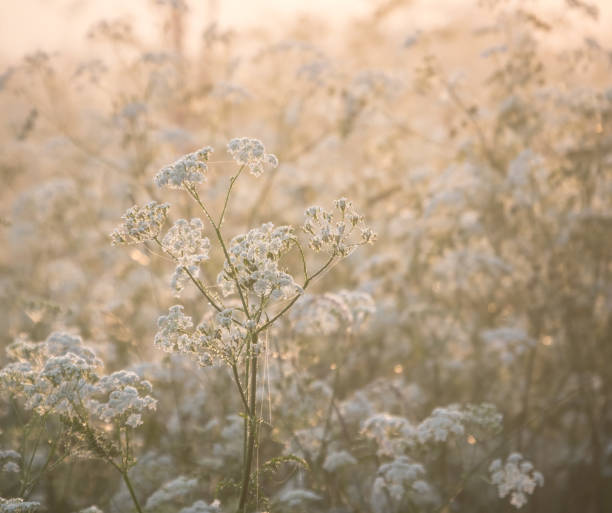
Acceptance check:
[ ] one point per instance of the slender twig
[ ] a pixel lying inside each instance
(229, 190)
(296, 297)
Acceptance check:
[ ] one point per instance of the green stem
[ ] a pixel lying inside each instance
(296, 297)
(229, 190)
(196, 197)
(246, 478)
(128, 483)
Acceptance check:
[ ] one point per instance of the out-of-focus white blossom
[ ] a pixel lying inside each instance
(337, 460)
(202, 507)
(516, 477)
(297, 497)
(391, 433)
(329, 313)
(18, 506)
(91, 509)
(54, 375)
(126, 398)
(251, 153)
(140, 224)
(397, 479)
(176, 490)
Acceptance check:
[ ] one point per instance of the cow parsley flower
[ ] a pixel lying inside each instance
(216, 339)
(202, 507)
(398, 478)
(440, 424)
(187, 171)
(125, 398)
(329, 313)
(337, 233)
(174, 331)
(297, 497)
(140, 224)
(516, 477)
(184, 242)
(18, 506)
(254, 258)
(338, 459)
(170, 492)
(251, 153)
(391, 433)
(51, 375)
(91, 509)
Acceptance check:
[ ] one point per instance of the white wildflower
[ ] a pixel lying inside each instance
(187, 171)
(170, 492)
(440, 424)
(184, 243)
(202, 507)
(125, 398)
(174, 333)
(329, 313)
(140, 224)
(254, 258)
(297, 497)
(338, 459)
(251, 153)
(18, 506)
(11, 467)
(516, 477)
(336, 233)
(398, 478)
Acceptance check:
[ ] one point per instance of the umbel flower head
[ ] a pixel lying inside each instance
(251, 153)
(339, 232)
(516, 477)
(254, 260)
(140, 224)
(184, 243)
(187, 171)
(60, 376)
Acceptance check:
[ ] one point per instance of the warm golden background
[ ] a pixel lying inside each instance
(475, 136)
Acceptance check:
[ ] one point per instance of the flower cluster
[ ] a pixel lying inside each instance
(398, 478)
(140, 224)
(251, 153)
(516, 477)
(393, 434)
(330, 313)
(18, 506)
(60, 376)
(126, 397)
(8, 461)
(334, 233)
(218, 338)
(174, 334)
(202, 507)
(185, 244)
(253, 263)
(54, 375)
(187, 171)
(337, 460)
(171, 492)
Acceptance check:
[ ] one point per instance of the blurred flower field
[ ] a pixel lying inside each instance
(342, 264)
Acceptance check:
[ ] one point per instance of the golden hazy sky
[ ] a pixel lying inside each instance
(50, 25)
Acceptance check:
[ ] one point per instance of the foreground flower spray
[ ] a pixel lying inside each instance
(253, 289)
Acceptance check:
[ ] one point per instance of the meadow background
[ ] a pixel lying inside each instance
(475, 139)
